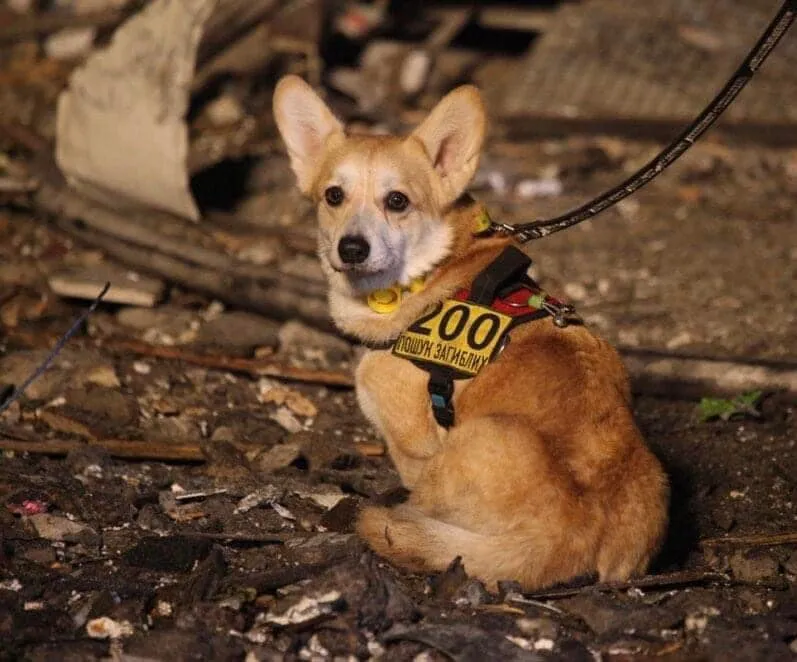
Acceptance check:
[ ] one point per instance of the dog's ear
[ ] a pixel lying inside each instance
(305, 123)
(452, 135)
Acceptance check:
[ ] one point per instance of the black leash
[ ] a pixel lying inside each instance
(16, 394)
(777, 28)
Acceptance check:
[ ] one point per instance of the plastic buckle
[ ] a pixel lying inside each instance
(440, 393)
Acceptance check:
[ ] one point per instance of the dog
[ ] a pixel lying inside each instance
(521, 454)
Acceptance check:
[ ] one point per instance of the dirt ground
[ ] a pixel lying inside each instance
(247, 551)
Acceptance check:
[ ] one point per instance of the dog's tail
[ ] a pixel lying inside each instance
(414, 541)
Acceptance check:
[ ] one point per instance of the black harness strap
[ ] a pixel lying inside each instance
(510, 265)
(441, 391)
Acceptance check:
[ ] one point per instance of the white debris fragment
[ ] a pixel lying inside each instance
(199, 494)
(214, 309)
(107, 628)
(520, 642)
(287, 420)
(546, 187)
(544, 644)
(314, 650)
(163, 609)
(267, 494)
(120, 123)
(32, 605)
(307, 609)
(11, 585)
(282, 511)
(326, 500)
(575, 291)
(697, 621)
(142, 367)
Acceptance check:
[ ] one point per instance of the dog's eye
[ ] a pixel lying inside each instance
(396, 201)
(334, 196)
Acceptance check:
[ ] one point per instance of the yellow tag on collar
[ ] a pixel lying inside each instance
(417, 284)
(386, 300)
(483, 222)
(389, 299)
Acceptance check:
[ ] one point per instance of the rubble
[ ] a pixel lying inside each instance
(185, 480)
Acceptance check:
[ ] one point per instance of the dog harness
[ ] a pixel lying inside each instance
(459, 336)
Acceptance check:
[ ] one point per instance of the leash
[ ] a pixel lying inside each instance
(779, 25)
(9, 396)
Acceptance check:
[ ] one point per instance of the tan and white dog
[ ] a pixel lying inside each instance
(544, 476)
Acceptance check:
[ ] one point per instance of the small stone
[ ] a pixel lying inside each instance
(59, 529)
(753, 566)
(287, 420)
(277, 457)
(790, 565)
(107, 628)
(472, 594)
(106, 405)
(697, 621)
(300, 339)
(537, 627)
(240, 331)
(280, 395)
(142, 367)
(71, 369)
(166, 325)
(103, 375)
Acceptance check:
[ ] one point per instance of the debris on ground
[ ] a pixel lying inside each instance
(184, 481)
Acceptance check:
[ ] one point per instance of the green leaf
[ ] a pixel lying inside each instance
(742, 405)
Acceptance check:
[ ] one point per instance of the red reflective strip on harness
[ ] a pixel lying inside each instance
(514, 304)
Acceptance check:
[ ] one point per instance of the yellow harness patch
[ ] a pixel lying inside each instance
(459, 335)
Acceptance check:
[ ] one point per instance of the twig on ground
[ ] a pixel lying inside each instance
(664, 581)
(754, 540)
(254, 367)
(129, 450)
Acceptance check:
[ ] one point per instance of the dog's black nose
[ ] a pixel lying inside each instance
(353, 249)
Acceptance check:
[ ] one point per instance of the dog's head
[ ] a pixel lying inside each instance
(381, 199)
